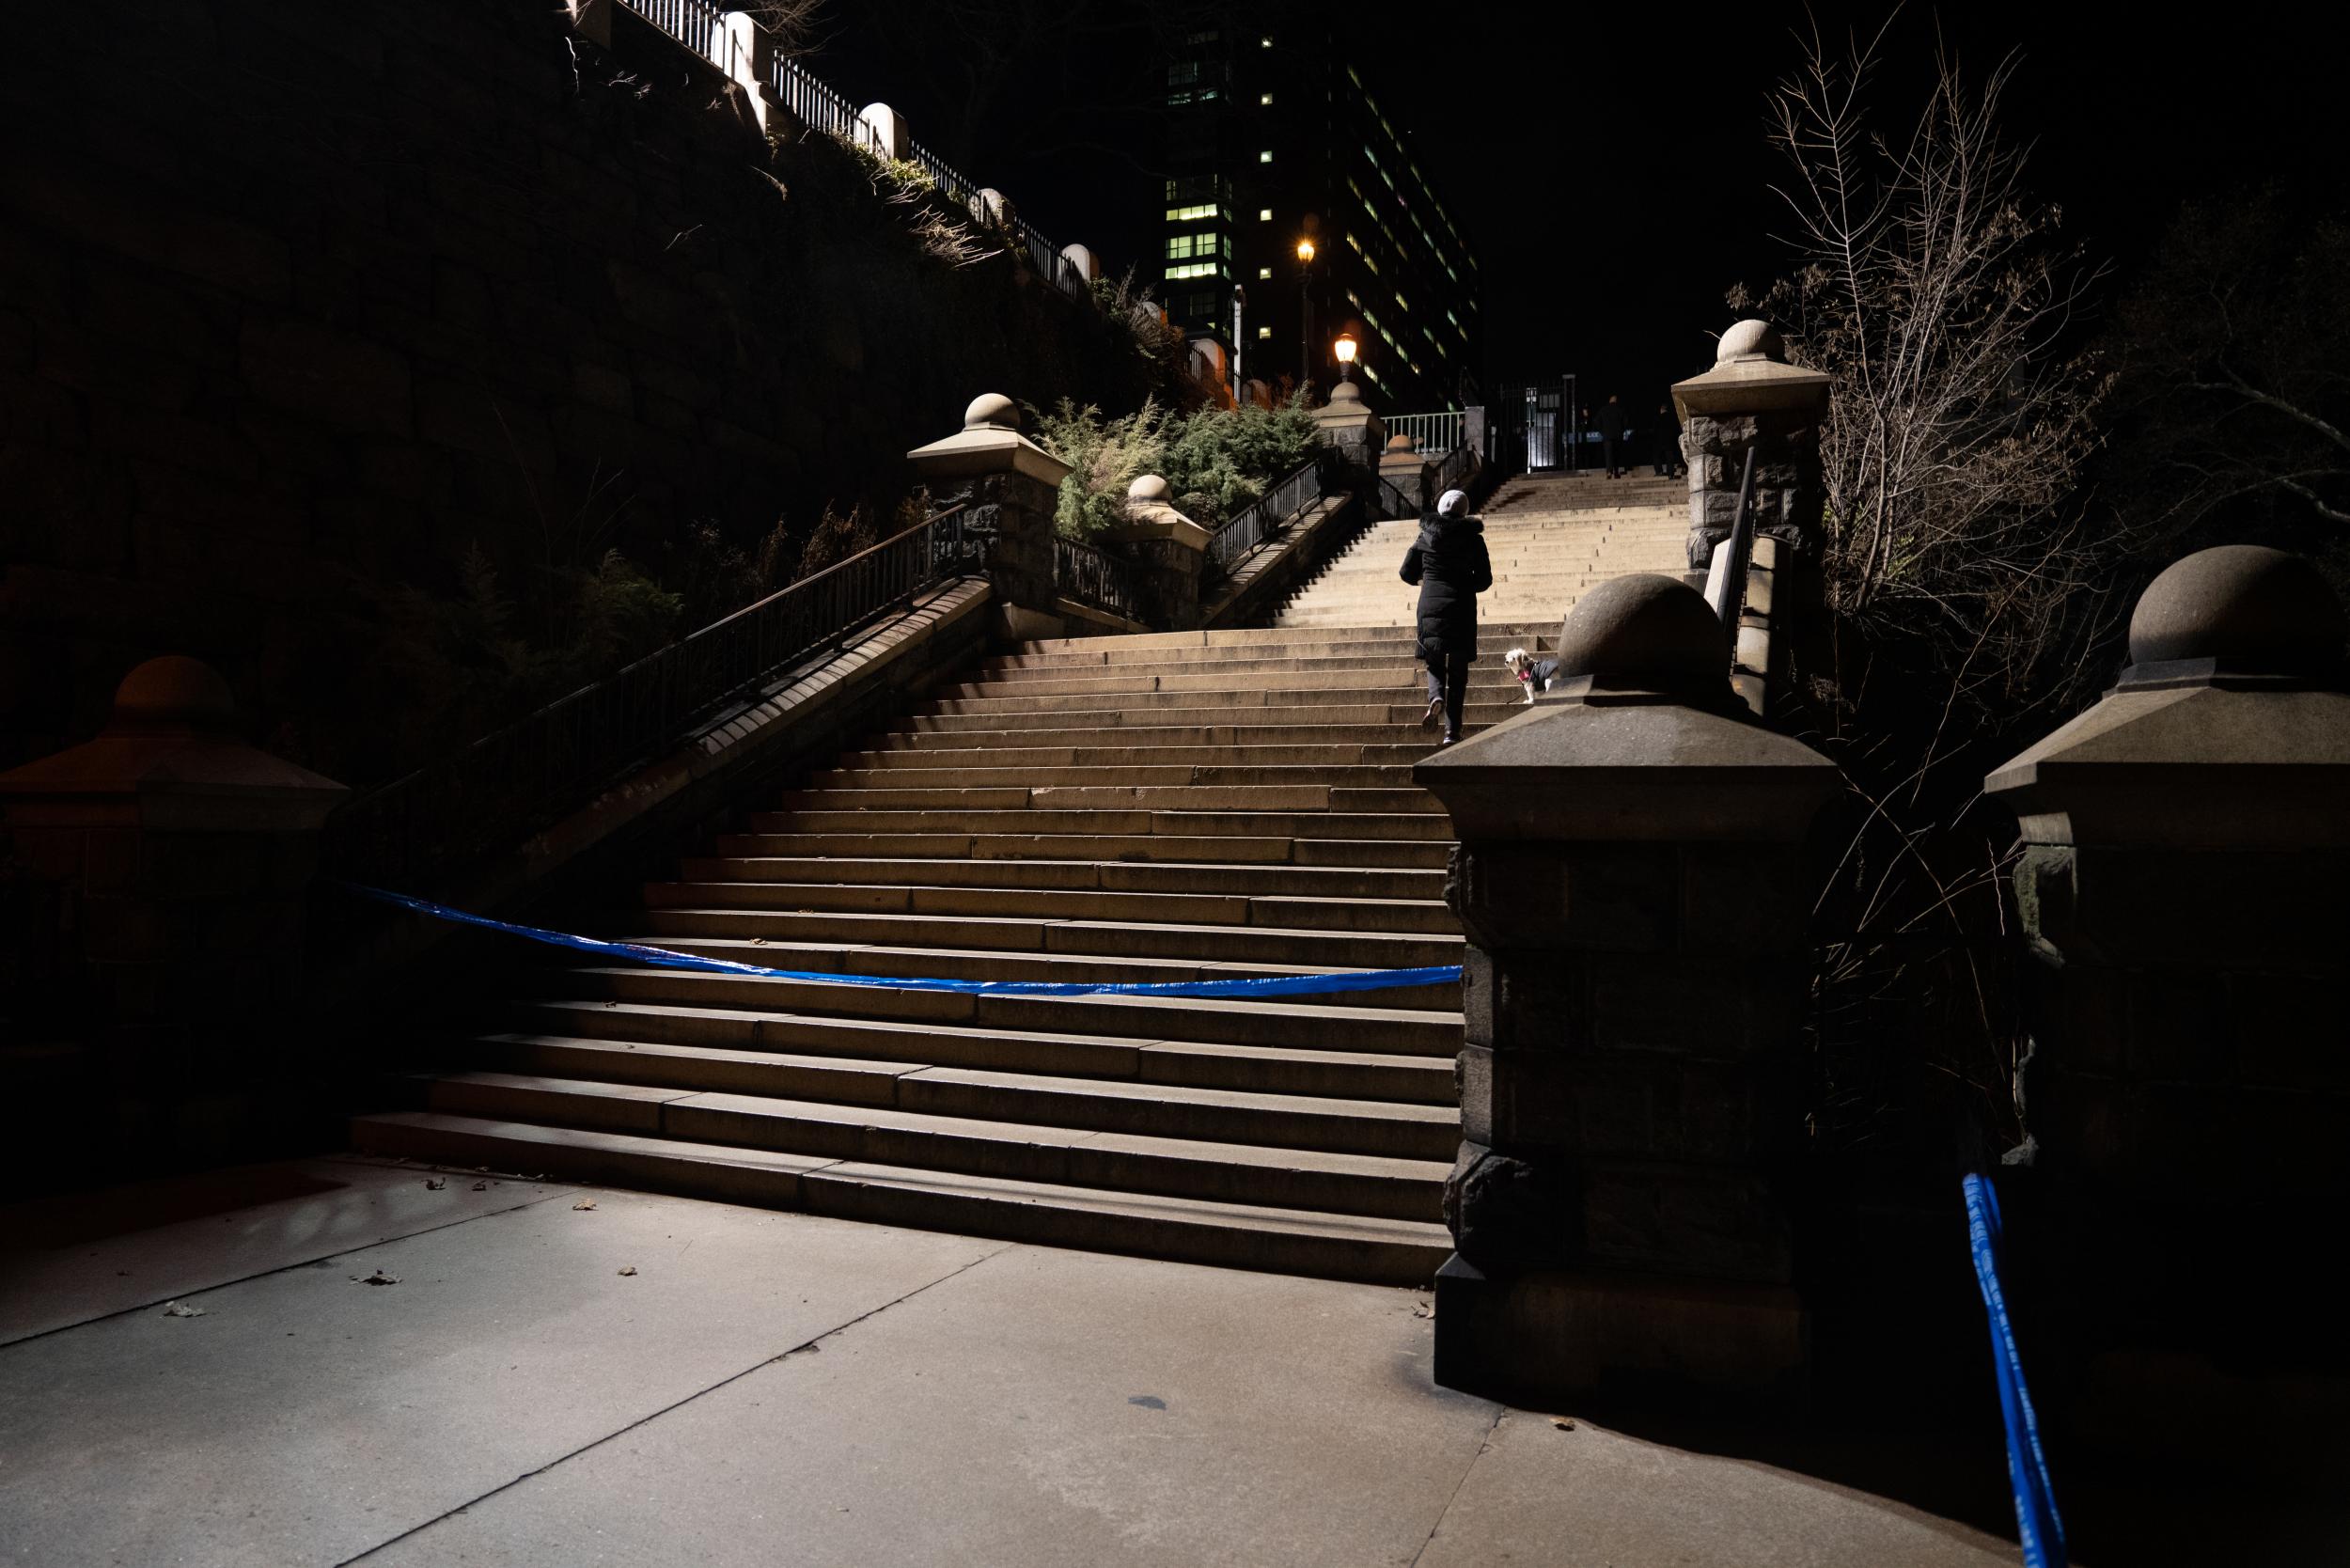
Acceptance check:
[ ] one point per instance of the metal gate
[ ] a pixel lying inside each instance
(1532, 427)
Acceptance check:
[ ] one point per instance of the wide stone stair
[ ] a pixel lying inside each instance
(1551, 537)
(1152, 808)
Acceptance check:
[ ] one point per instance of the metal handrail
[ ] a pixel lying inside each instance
(1098, 579)
(1253, 524)
(529, 776)
(1730, 593)
(1455, 468)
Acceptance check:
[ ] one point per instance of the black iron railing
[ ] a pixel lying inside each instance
(1452, 472)
(1097, 579)
(1257, 521)
(699, 24)
(1729, 590)
(501, 790)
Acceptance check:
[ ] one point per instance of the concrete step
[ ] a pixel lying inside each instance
(1387, 1031)
(1276, 909)
(897, 797)
(840, 1075)
(1275, 946)
(1284, 1068)
(1025, 1103)
(1374, 1250)
(882, 961)
(1382, 853)
(1195, 877)
(1103, 821)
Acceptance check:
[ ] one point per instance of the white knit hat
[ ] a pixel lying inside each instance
(1454, 503)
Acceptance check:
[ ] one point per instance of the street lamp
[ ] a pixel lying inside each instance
(1346, 349)
(1305, 313)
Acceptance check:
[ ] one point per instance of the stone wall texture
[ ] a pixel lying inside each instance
(300, 302)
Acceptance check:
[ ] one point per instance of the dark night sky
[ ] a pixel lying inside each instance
(1609, 161)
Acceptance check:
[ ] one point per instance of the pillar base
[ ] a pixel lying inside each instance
(1548, 1336)
(1018, 623)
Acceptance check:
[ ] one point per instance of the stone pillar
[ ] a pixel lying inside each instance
(1010, 487)
(1631, 876)
(1081, 258)
(1752, 398)
(1473, 432)
(750, 61)
(886, 133)
(591, 20)
(2186, 878)
(176, 864)
(1410, 470)
(1171, 549)
(1347, 425)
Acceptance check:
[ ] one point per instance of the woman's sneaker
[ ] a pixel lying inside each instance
(1436, 710)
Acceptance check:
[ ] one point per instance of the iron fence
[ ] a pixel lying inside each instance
(1454, 471)
(1096, 578)
(699, 24)
(1436, 433)
(529, 776)
(1253, 524)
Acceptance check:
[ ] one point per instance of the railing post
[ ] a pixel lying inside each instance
(1168, 550)
(1409, 469)
(1630, 874)
(2186, 1094)
(750, 61)
(1010, 487)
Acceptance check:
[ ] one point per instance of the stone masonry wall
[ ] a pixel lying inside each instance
(298, 303)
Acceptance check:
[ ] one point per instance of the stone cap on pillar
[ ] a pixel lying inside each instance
(1347, 418)
(1642, 740)
(990, 442)
(169, 760)
(2228, 730)
(1151, 512)
(1750, 375)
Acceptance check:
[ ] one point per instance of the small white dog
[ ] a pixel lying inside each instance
(1533, 674)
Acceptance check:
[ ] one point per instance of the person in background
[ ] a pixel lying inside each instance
(1668, 441)
(1611, 435)
(1448, 563)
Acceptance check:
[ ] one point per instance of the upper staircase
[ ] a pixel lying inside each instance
(1551, 537)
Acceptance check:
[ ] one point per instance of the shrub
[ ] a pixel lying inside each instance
(1105, 457)
(1219, 460)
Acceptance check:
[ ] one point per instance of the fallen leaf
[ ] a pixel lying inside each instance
(1423, 1309)
(379, 1277)
(1562, 1423)
(585, 1203)
(481, 1186)
(628, 1268)
(182, 1310)
(434, 1184)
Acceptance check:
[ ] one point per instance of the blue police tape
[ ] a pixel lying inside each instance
(2036, 1522)
(1278, 985)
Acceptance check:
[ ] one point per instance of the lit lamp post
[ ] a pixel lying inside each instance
(1346, 349)
(1305, 313)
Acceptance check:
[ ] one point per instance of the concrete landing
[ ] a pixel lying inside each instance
(771, 1388)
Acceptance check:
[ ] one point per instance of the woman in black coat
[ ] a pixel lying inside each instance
(1449, 564)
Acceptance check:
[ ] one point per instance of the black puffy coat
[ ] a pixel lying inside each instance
(1449, 564)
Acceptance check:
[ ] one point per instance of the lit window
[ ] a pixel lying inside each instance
(1264, 44)
(1266, 156)
(1264, 214)
(1265, 332)
(1195, 269)
(1263, 273)
(1264, 100)
(1190, 214)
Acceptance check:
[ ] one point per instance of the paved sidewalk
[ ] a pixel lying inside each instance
(655, 1381)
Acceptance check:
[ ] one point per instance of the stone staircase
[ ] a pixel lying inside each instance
(1551, 537)
(1150, 808)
